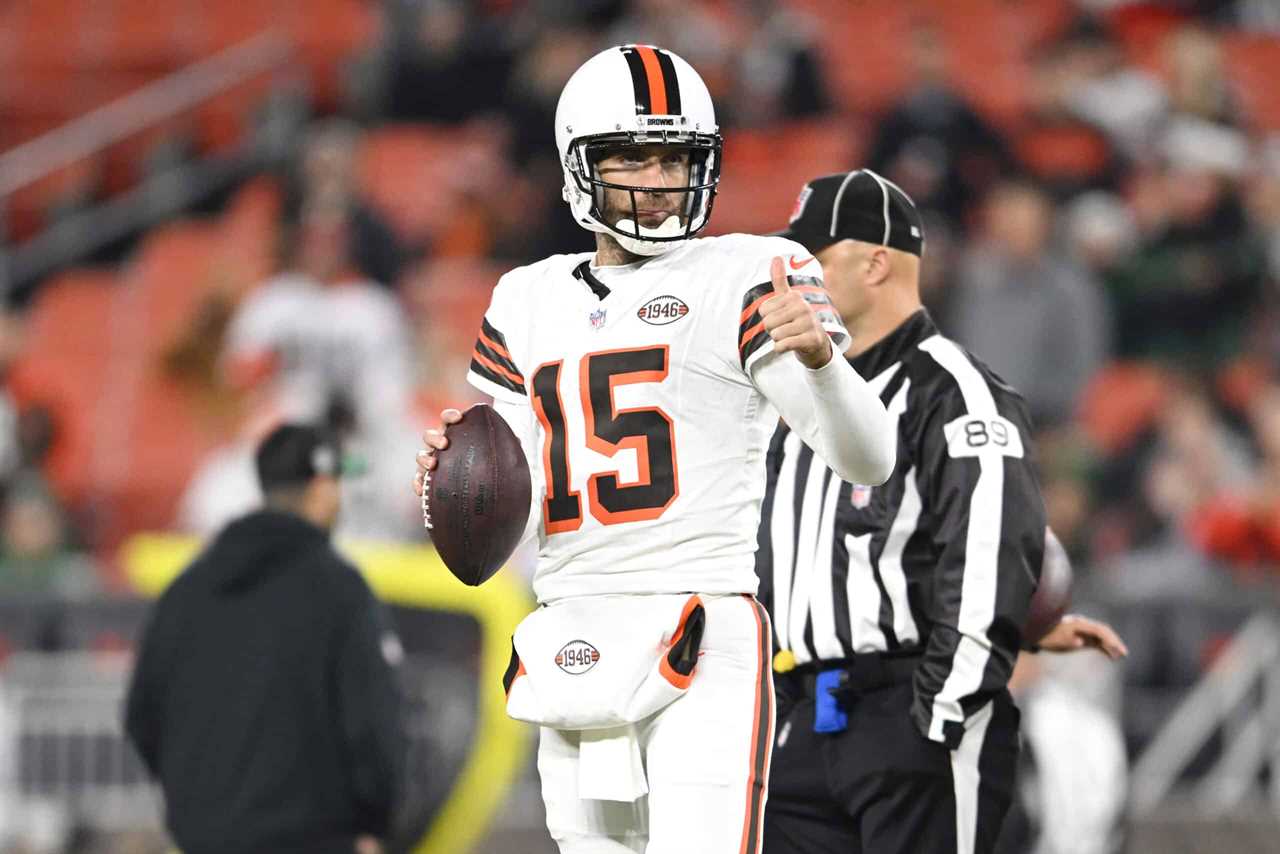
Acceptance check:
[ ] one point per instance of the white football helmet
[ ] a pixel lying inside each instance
(637, 95)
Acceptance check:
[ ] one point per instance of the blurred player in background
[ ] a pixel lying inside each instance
(644, 380)
(899, 607)
(264, 699)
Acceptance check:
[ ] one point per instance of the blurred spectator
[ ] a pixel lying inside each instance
(1197, 79)
(36, 554)
(1104, 90)
(527, 212)
(1189, 293)
(224, 485)
(777, 68)
(1240, 523)
(1038, 321)
(1073, 777)
(1150, 496)
(1100, 231)
(1263, 199)
(442, 60)
(318, 330)
(326, 178)
(932, 143)
(1065, 467)
(28, 434)
(688, 28)
(1060, 145)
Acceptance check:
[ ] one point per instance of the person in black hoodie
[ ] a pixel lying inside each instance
(265, 698)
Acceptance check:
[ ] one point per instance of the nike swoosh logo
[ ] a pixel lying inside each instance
(792, 262)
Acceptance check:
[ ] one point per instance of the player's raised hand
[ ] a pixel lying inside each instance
(792, 324)
(434, 440)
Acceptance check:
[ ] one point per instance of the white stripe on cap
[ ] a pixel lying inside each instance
(835, 209)
(884, 191)
(915, 231)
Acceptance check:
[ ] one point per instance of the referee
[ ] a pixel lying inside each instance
(897, 609)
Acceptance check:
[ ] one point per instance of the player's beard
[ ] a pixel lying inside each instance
(653, 209)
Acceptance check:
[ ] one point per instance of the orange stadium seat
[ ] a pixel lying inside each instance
(1142, 29)
(862, 46)
(247, 250)
(1253, 62)
(144, 34)
(227, 24)
(328, 36)
(163, 443)
(446, 299)
(451, 295)
(67, 364)
(50, 35)
(412, 173)
(764, 171)
(1119, 403)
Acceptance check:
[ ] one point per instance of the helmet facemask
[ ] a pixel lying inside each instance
(585, 189)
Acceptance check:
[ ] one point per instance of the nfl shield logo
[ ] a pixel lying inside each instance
(860, 497)
(803, 199)
(597, 319)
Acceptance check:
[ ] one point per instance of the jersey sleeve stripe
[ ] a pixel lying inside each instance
(482, 367)
(499, 349)
(759, 340)
(491, 331)
(756, 296)
(499, 362)
(751, 334)
(752, 301)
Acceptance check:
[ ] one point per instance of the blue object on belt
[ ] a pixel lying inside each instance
(828, 716)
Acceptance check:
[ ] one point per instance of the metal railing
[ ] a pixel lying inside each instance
(160, 195)
(63, 748)
(165, 98)
(1237, 706)
(66, 741)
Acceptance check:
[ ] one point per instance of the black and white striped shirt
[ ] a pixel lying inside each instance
(942, 559)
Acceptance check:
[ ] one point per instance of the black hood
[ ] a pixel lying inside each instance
(254, 547)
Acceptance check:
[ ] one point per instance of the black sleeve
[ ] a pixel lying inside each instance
(987, 524)
(143, 715)
(371, 711)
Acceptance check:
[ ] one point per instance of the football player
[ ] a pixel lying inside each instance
(644, 381)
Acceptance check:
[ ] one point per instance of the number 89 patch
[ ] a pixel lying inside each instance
(978, 435)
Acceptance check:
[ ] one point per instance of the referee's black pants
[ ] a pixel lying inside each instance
(880, 787)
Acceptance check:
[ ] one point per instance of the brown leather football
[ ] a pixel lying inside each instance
(1053, 594)
(476, 502)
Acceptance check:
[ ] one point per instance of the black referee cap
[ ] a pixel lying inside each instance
(858, 205)
(294, 454)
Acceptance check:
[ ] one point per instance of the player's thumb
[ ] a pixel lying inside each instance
(778, 272)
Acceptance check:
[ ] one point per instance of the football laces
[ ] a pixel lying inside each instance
(426, 501)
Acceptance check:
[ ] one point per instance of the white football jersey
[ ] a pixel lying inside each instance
(650, 434)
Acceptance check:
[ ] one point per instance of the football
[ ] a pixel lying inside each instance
(476, 501)
(1053, 594)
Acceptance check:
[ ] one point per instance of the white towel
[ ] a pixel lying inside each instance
(599, 663)
(609, 765)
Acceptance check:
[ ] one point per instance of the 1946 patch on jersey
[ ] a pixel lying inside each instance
(577, 657)
(662, 310)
